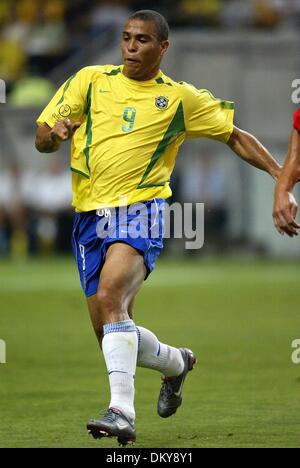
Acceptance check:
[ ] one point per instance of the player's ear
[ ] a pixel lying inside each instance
(164, 47)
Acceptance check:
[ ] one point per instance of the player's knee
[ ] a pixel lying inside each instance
(109, 300)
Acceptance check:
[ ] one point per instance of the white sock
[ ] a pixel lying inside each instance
(158, 356)
(120, 345)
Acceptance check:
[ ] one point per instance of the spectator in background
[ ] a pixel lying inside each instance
(13, 30)
(108, 15)
(46, 43)
(35, 209)
(260, 13)
(47, 197)
(12, 212)
(236, 14)
(200, 12)
(270, 13)
(31, 91)
(5, 11)
(159, 5)
(203, 181)
(267, 13)
(12, 61)
(77, 20)
(22, 17)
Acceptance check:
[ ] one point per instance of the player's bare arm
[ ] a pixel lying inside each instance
(285, 205)
(49, 140)
(247, 147)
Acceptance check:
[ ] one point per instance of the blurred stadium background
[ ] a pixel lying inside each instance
(245, 51)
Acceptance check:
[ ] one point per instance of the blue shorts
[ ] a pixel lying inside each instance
(140, 225)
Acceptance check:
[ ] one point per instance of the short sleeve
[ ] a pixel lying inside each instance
(68, 102)
(206, 116)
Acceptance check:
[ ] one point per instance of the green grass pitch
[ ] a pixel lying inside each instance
(239, 317)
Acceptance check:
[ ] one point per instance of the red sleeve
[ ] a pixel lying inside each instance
(297, 120)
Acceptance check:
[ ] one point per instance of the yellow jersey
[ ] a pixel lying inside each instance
(125, 149)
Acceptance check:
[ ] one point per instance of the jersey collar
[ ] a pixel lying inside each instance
(140, 83)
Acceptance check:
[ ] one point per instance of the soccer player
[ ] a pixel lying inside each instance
(285, 205)
(126, 124)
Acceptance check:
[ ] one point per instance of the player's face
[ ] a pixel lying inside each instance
(141, 49)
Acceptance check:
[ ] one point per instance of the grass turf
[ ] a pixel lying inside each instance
(239, 317)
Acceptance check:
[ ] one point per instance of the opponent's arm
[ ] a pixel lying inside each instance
(48, 140)
(247, 147)
(285, 205)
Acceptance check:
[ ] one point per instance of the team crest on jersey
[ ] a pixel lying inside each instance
(161, 102)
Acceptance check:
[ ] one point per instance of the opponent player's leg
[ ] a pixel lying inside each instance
(121, 278)
(172, 363)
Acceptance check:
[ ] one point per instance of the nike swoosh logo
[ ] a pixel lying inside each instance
(180, 390)
(121, 426)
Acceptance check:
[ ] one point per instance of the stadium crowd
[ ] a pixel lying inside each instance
(38, 35)
(35, 210)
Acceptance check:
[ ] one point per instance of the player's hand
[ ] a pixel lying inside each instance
(285, 212)
(64, 130)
